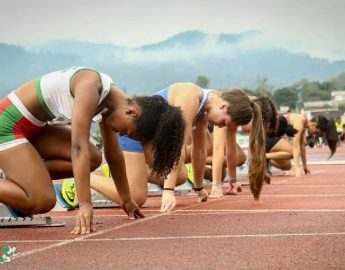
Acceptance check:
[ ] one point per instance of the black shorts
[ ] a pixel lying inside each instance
(270, 142)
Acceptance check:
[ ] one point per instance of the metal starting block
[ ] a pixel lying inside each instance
(28, 222)
(185, 189)
(7, 220)
(99, 201)
(156, 190)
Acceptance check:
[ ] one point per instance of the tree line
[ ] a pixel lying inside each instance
(294, 95)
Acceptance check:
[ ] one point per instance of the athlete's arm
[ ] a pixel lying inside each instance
(189, 106)
(85, 88)
(116, 162)
(231, 150)
(219, 138)
(199, 152)
(297, 143)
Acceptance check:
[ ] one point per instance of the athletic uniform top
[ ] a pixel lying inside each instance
(201, 114)
(130, 145)
(54, 91)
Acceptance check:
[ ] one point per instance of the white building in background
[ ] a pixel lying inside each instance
(338, 96)
(329, 108)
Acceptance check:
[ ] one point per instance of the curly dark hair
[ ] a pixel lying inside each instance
(269, 114)
(164, 126)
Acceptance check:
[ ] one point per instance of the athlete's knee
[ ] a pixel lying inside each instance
(139, 196)
(241, 159)
(286, 166)
(44, 203)
(182, 176)
(96, 159)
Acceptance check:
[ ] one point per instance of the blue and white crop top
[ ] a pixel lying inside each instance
(201, 114)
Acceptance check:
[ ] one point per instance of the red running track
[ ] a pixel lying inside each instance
(299, 224)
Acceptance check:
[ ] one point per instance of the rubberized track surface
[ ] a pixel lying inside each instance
(299, 224)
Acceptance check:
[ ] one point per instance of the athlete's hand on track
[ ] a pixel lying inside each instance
(132, 210)
(202, 196)
(306, 171)
(234, 189)
(168, 201)
(83, 220)
(216, 191)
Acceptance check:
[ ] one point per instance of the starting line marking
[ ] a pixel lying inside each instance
(174, 238)
(216, 236)
(258, 211)
(85, 237)
(325, 162)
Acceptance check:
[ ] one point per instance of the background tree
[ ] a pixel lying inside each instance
(263, 88)
(202, 81)
(286, 96)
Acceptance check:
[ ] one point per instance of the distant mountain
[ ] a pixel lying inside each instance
(198, 39)
(226, 59)
(96, 51)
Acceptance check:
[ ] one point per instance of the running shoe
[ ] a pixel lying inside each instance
(2, 174)
(105, 170)
(190, 176)
(17, 214)
(69, 192)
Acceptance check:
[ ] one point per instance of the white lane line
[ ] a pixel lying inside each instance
(217, 211)
(230, 211)
(80, 238)
(278, 185)
(215, 236)
(239, 197)
(304, 195)
(326, 162)
(94, 215)
(170, 238)
(235, 211)
(32, 241)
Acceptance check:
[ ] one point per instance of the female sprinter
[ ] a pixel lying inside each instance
(225, 138)
(33, 150)
(318, 125)
(228, 108)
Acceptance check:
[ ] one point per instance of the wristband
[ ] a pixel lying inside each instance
(166, 188)
(198, 189)
(217, 184)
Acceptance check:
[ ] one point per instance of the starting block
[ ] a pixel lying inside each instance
(99, 201)
(8, 220)
(29, 222)
(154, 190)
(184, 189)
(242, 174)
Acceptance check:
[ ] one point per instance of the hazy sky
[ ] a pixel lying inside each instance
(313, 26)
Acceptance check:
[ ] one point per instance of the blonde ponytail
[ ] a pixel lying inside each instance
(256, 170)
